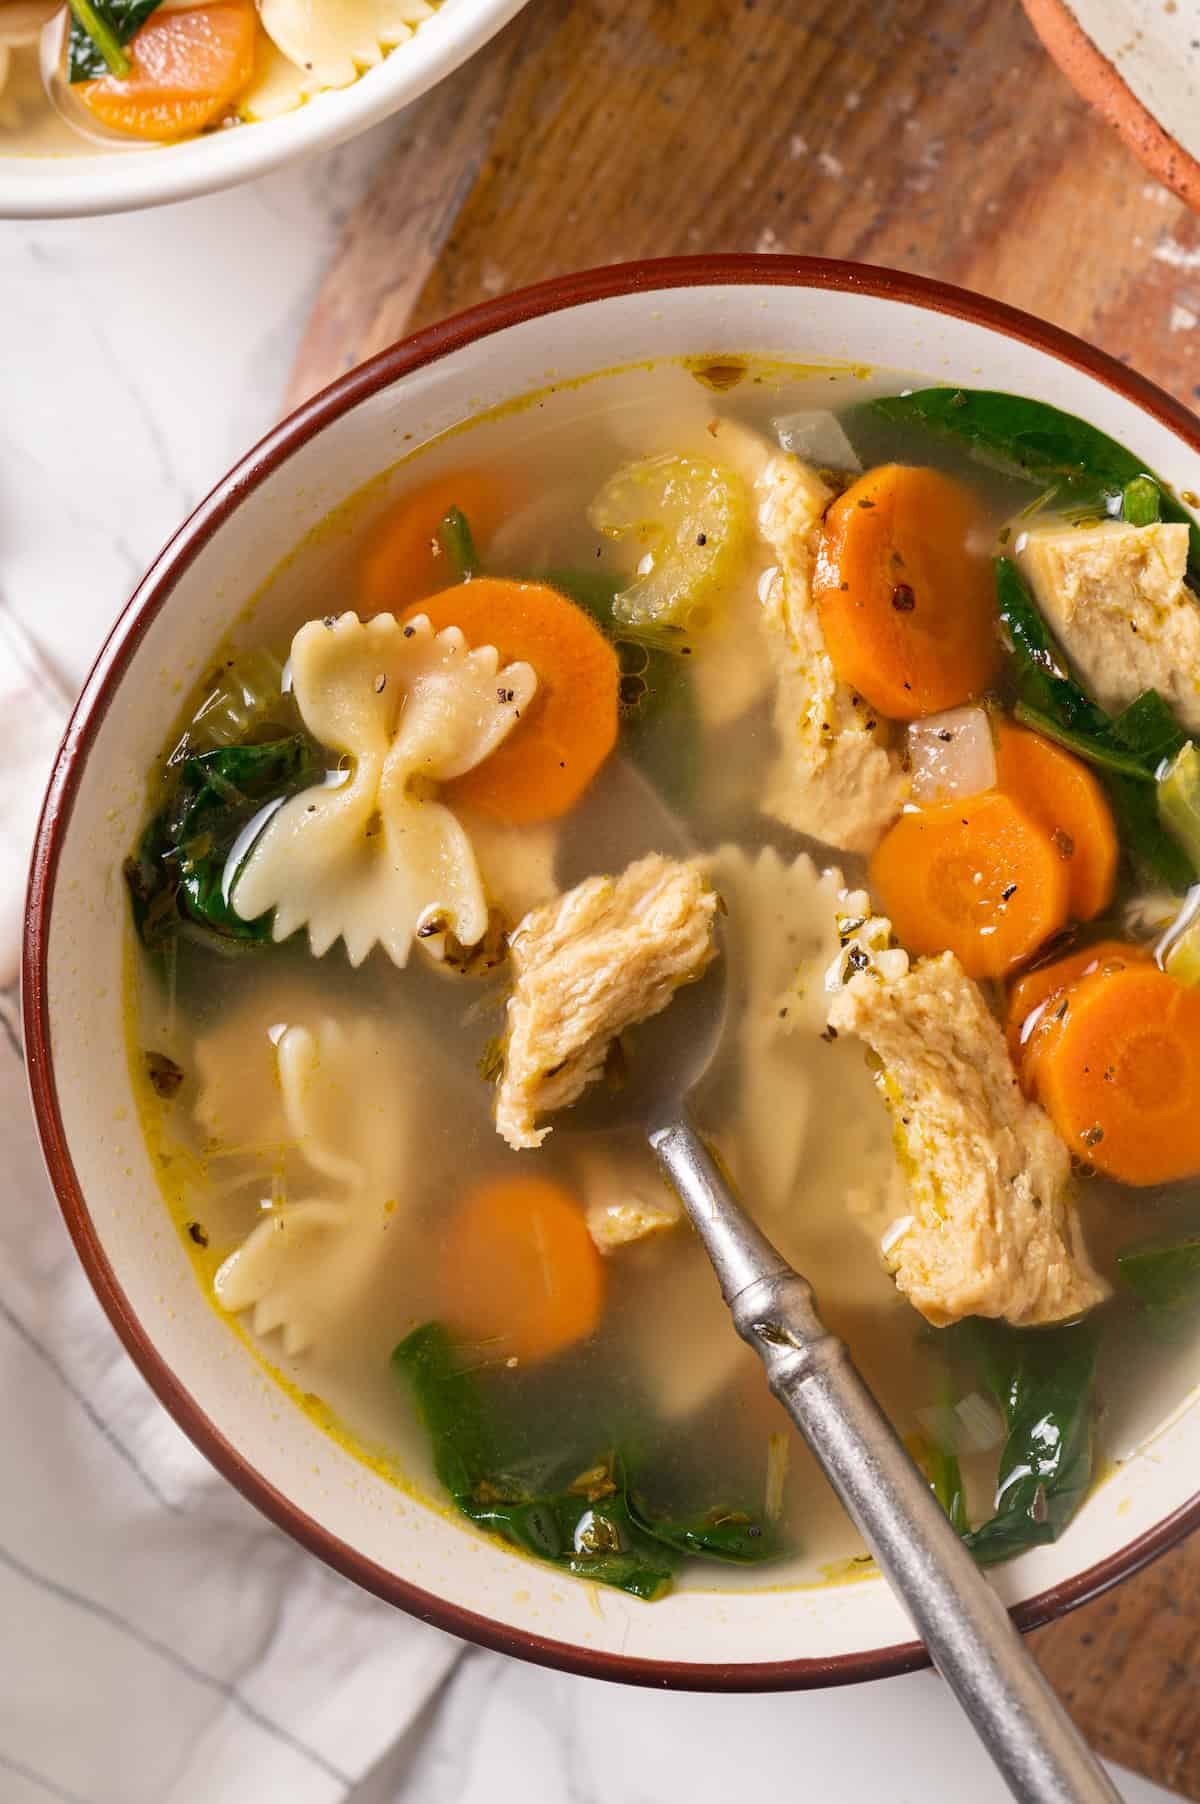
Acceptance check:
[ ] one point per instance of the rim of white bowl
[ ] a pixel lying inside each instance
(122, 181)
(108, 673)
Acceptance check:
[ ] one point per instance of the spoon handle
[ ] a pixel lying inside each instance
(968, 1632)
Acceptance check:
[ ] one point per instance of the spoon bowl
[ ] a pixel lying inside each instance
(623, 818)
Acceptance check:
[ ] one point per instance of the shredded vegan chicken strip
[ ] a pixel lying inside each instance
(992, 1231)
(837, 775)
(607, 954)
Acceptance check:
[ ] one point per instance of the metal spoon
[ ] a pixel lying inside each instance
(968, 1632)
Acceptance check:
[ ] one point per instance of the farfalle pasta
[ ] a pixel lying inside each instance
(348, 1094)
(326, 46)
(372, 856)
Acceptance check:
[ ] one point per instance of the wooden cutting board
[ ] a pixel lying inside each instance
(933, 135)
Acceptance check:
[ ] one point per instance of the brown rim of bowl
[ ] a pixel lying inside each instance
(1103, 86)
(151, 595)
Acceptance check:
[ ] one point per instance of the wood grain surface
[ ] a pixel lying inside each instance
(932, 135)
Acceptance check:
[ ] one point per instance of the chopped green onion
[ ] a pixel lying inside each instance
(103, 37)
(1179, 800)
(1178, 949)
(1181, 959)
(456, 540)
(1141, 501)
(248, 693)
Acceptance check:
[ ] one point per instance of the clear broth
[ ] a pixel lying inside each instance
(664, 1326)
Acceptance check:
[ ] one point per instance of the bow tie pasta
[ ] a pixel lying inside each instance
(333, 44)
(348, 1096)
(376, 858)
(303, 1267)
(792, 1113)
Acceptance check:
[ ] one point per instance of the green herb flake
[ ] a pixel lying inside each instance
(1141, 501)
(166, 1077)
(457, 541)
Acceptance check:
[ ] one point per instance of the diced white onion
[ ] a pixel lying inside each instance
(818, 438)
(952, 755)
(975, 1425)
(892, 963)
(1146, 915)
(894, 1234)
(942, 1426)
(982, 1422)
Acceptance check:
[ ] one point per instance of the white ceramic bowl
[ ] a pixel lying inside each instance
(57, 187)
(434, 1566)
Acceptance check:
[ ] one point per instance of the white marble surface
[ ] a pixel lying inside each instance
(142, 355)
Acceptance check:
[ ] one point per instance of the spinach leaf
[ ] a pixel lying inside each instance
(100, 30)
(1030, 439)
(1148, 729)
(1128, 747)
(1043, 1380)
(180, 869)
(594, 1527)
(596, 1540)
(1044, 683)
(717, 1535)
(1133, 743)
(456, 539)
(1154, 853)
(659, 717)
(1166, 1278)
(1094, 748)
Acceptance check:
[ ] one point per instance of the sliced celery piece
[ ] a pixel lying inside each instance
(687, 521)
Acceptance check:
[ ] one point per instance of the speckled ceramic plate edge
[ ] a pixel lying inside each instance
(1102, 84)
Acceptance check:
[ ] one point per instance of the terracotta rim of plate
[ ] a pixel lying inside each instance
(98, 693)
(1101, 84)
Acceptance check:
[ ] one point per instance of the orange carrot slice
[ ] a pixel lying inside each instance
(1119, 1075)
(1065, 798)
(403, 559)
(1034, 996)
(522, 1276)
(905, 601)
(977, 878)
(569, 728)
(188, 68)
(1032, 988)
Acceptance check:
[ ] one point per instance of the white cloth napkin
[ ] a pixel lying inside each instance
(161, 1642)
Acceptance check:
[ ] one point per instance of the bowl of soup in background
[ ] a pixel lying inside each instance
(75, 178)
(389, 1540)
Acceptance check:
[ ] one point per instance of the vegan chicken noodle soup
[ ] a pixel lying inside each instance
(861, 636)
(78, 78)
